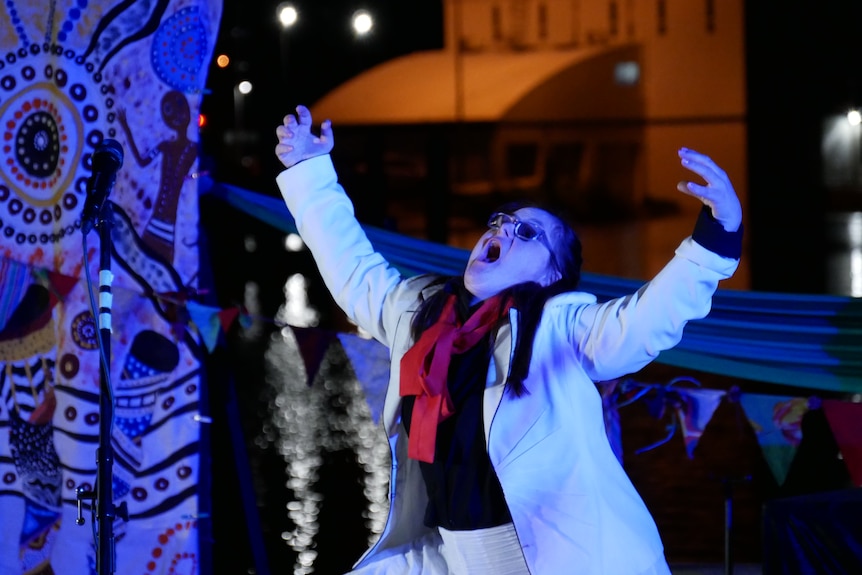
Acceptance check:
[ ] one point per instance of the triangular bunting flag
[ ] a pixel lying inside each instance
(777, 421)
(312, 343)
(695, 409)
(59, 285)
(845, 420)
(370, 361)
(206, 319)
(245, 320)
(227, 317)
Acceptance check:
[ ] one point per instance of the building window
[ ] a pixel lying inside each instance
(710, 16)
(661, 13)
(521, 160)
(543, 21)
(496, 23)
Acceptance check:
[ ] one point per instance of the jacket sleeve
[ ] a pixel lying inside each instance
(621, 336)
(370, 291)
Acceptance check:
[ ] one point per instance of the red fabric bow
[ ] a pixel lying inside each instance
(425, 367)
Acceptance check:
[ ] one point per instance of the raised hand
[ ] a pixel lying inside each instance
(718, 193)
(297, 143)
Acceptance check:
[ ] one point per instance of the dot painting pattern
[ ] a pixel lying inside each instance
(164, 559)
(179, 48)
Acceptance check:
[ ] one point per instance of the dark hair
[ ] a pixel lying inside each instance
(528, 298)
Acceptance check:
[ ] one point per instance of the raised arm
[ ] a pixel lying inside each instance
(622, 335)
(370, 291)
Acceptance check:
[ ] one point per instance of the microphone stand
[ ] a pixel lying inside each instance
(103, 499)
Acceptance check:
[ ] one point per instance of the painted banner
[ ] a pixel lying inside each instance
(73, 74)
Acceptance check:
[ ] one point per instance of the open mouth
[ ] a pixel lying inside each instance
(492, 251)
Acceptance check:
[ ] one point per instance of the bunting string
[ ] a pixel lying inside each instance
(776, 419)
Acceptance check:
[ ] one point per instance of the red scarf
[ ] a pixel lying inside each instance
(425, 367)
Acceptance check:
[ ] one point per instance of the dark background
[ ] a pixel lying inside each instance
(297, 66)
(803, 63)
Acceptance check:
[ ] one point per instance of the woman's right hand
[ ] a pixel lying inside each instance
(297, 143)
(718, 193)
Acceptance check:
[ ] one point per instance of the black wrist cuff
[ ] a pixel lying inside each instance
(709, 233)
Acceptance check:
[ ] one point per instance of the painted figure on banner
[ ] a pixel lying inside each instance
(178, 156)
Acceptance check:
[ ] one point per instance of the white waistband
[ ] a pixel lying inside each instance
(491, 551)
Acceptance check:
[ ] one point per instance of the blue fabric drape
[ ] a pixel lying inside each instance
(801, 340)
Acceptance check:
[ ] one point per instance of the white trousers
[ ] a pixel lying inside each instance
(491, 551)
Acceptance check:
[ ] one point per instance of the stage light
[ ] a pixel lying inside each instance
(362, 22)
(222, 60)
(854, 117)
(202, 121)
(244, 87)
(293, 243)
(287, 14)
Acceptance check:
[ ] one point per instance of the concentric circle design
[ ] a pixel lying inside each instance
(69, 366)
(84, 331)
(179, 50)
(37, 146)
(36, 154)
(53, 113)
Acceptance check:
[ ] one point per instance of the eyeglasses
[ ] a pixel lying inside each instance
(523, 230)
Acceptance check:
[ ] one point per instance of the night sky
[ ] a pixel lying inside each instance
(297, 66)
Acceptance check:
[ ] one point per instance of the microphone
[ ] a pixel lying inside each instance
(106, 160)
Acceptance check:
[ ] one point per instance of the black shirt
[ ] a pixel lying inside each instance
(463, 490)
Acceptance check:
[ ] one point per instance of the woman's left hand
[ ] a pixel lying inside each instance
(296, 142)
(718, 193)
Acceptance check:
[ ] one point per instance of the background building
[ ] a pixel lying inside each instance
(579, 104)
